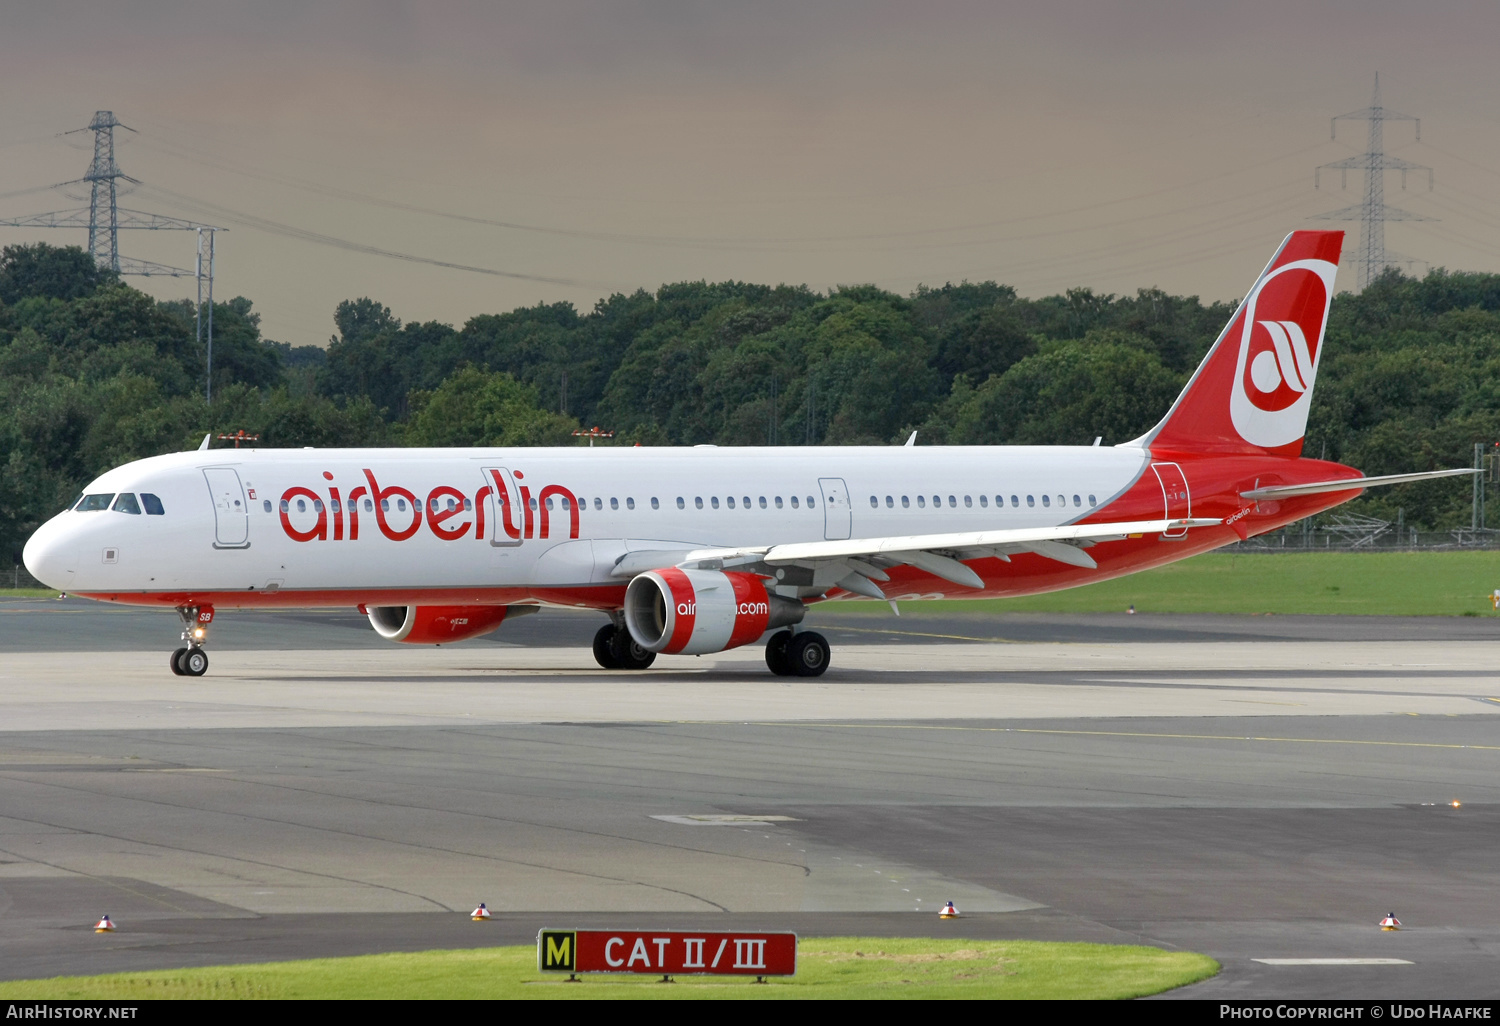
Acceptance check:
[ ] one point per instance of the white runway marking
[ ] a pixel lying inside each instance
(1332, 961)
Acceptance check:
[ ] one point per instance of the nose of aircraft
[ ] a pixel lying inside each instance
(51, 554)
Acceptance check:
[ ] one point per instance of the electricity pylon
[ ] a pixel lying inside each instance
(1371, 258)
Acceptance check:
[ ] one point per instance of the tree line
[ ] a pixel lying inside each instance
(94, 373)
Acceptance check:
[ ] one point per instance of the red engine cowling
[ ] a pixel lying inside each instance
(434, 625)
(690, 612)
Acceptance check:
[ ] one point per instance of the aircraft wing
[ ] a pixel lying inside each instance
(856, 563)
(1318, 487)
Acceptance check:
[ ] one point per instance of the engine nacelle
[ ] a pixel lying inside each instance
(690, 612)
(437, 625)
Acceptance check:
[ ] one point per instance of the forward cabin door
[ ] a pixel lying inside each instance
(837, 516)
(1178, 502)
(503, 507)
(231, 515)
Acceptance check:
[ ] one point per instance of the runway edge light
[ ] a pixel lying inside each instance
(1390, 922)
(104, 925)
(948, 912)
(480, 914)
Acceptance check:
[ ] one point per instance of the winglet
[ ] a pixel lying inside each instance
(912, 440)
(204, 444)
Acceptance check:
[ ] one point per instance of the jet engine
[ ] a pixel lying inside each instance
(438, 625)
(691, 612)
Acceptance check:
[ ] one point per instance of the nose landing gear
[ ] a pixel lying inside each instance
(191, 660)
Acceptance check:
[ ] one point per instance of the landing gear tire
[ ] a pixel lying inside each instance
(604, 648)
(194, 662)
(808, 654)
(627, 654)
(777, 659)
(176, 662)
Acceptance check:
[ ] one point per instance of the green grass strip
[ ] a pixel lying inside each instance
(1350, 583)
(834, 967)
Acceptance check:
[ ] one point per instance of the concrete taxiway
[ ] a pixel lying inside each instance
(1249, 787)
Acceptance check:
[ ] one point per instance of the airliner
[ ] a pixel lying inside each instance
(697, 550)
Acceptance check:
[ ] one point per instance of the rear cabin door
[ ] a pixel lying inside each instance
(1174, 489)
(231, 515)
(837, 516)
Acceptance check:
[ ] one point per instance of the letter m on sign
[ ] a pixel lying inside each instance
(556, 951)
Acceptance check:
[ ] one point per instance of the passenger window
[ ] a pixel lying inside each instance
(968, 500)
(566, 503)
(905, 502)
(794, 502)
(1031, 500)
(747, 501)
(680, 503)
(811, 502)
(654, 503)
(1062, 500)
(698, 501)
(598, 503)
(317, 505)
(874, 502)
(267, 504)
(629, 503)
(549, 502)
(94, 503)
(401, 504)
(614, 503)
(1092, 501)
(1015, 500)
(533, 503)
(333, 504)
(762, 502)
(922, 501)
(729, 501)
(1077, 501)
(984, 500)
(468, 505)
(370, 505)
(778, 502)
(953, 501)
(126, 504)
(1046, 500)
(889, 502)
(301, 505)
(284, 506)
(714, 502)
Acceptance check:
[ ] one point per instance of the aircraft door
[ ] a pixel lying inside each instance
(231, 515)
(1174, 489)
(837, 515)
(504, 509)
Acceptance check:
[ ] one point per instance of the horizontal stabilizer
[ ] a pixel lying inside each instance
(1348, 484)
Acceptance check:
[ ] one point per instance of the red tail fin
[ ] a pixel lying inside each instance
(1252, 391)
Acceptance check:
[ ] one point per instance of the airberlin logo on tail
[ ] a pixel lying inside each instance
(1281, 337)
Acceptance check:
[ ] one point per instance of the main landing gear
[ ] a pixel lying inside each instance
(191, 660)
(615, 649)
(804, 654)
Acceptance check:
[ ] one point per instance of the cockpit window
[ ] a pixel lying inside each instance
(126, 504)
(94, 503)
(153, 505)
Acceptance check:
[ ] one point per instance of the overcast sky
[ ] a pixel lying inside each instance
(625, 144)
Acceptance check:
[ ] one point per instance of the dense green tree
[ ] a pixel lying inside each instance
(475, 407)
(49, 272)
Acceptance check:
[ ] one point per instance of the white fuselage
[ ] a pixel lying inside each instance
(334, 523)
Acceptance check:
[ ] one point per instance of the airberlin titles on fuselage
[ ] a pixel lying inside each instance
(448, 511)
